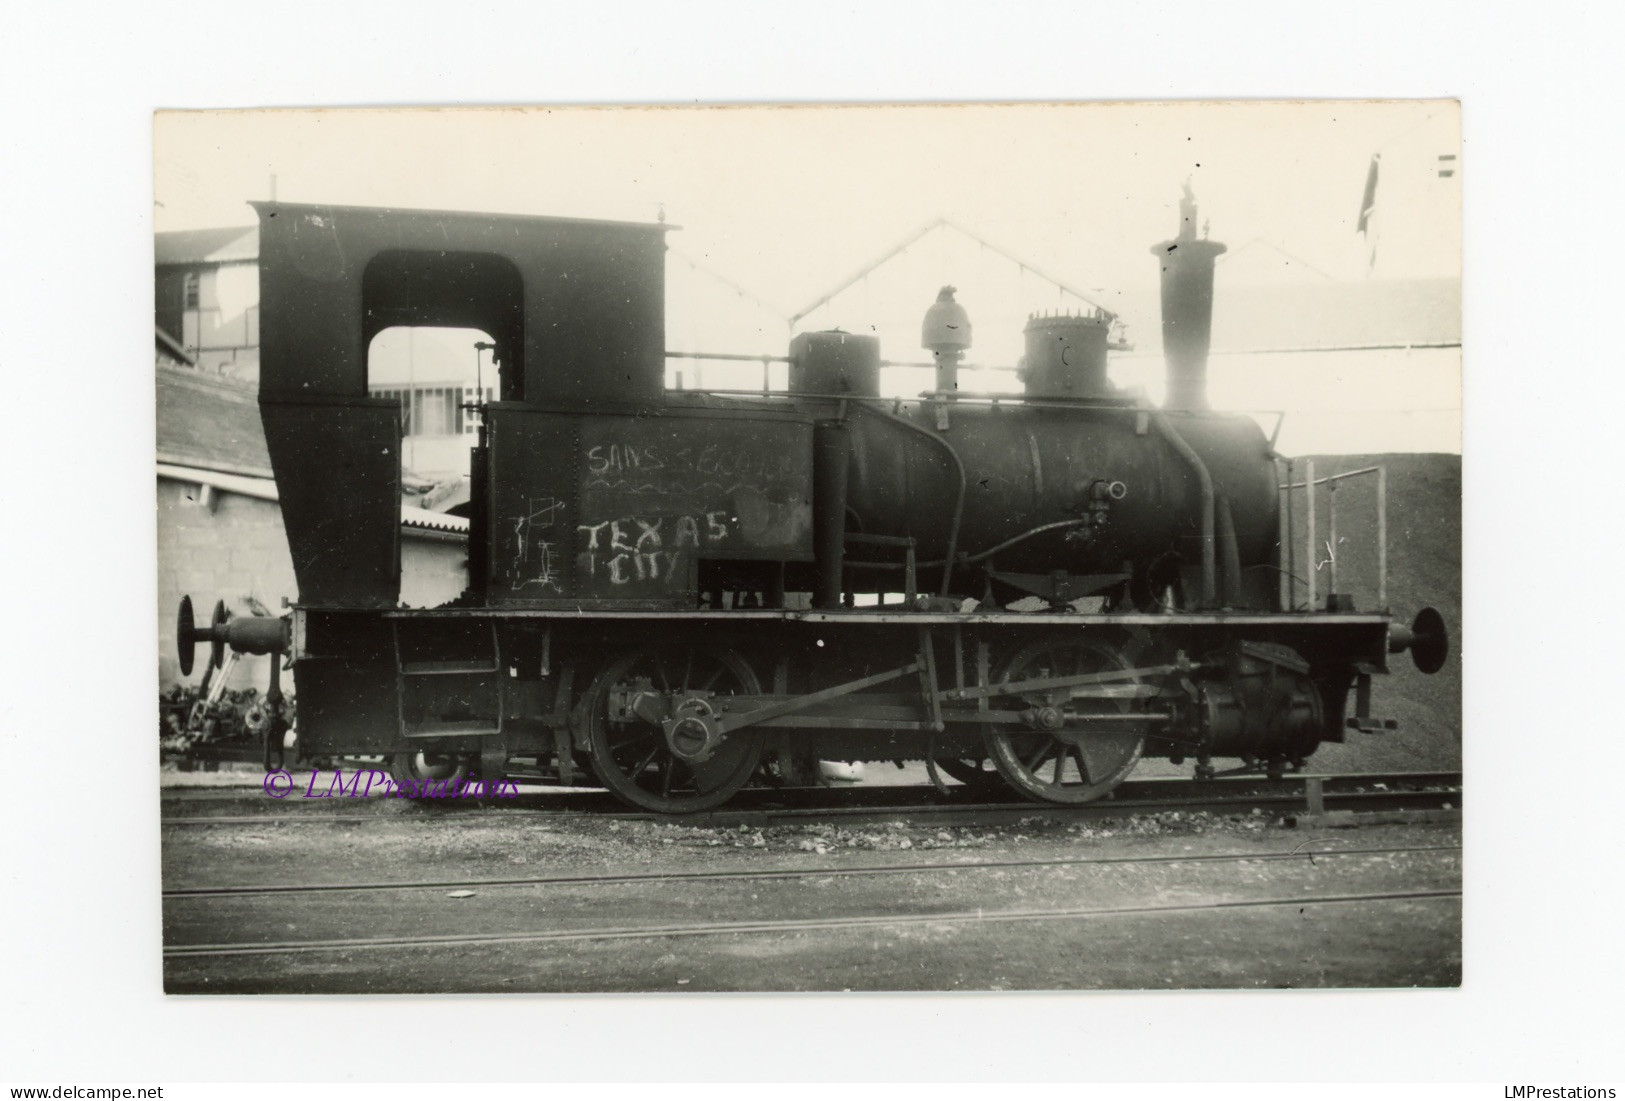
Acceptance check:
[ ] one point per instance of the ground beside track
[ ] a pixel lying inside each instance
(1387, 943)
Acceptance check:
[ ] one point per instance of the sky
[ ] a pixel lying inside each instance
(779, 206)
(786, 200)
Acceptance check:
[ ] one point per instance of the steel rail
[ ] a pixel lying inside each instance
(934, 812)
(982, 814)
(1439, 787)
(791, 926)
(747, 875)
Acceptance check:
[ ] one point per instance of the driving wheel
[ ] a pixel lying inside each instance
(651, 723)
(1071, 750)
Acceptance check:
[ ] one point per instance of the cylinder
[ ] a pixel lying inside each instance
(835, 363)
(1066, 356)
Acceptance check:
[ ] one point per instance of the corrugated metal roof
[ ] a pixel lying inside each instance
(433, 521)
(228, 244)
(264, 489)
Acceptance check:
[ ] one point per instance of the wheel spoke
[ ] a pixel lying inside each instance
(665, 777)
(688, 668)
(643, 764)
(660, 668)
(1038, 758)
(1060, 763)
(1083, 767)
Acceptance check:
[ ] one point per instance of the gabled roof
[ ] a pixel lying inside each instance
(210, 422)
(227, 244)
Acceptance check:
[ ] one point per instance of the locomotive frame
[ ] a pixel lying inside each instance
(662, 585)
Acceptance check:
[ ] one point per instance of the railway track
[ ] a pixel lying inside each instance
(959, 806)
(1301, 852)
(722, 928)
(1338, 875)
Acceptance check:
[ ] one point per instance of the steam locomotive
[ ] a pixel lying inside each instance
(680, 592)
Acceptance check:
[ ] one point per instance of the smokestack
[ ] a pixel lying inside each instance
(1187, 308)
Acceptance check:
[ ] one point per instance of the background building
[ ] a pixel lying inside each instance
(207, 296)
(220, 534)
(207, 313)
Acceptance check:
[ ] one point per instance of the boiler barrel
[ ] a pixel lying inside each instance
(1026, 467)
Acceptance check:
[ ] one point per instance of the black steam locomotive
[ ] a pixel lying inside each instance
(676, 591)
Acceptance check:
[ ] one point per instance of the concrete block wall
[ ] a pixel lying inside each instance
(228, 550)
(237, 548)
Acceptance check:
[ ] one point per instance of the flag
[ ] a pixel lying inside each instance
(1368, 203)
(1368, 215)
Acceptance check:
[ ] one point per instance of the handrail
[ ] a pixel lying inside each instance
(1331, 481)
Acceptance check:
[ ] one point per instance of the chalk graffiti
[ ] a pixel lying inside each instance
(758, 466)
(533, 558)
(630, 549)
(605, 458)
(624, 569)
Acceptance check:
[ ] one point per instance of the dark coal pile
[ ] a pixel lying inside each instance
(1424, 568)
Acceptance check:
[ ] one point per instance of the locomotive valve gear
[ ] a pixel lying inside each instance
(691, 732)
(689, 722)
(1042, 718)
(664, 758)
